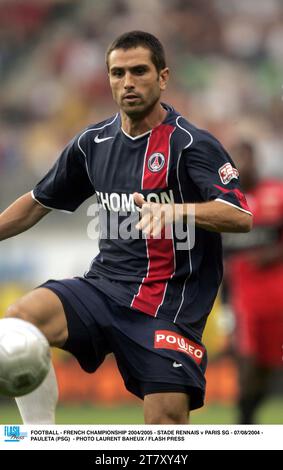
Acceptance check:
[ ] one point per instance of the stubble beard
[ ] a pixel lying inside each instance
(139, 112)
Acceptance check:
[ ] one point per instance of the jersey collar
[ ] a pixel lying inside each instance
(167, 107)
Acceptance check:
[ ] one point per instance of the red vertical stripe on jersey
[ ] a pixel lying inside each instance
(160, 251)
(159, 143)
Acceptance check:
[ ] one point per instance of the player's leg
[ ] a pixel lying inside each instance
(166, 408)
(155, 360)
(253, 380)
(44, 309)
(262, 329)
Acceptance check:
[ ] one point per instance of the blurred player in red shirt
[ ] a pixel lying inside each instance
(254, 276)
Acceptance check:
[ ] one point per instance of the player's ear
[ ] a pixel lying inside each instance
(163, 78)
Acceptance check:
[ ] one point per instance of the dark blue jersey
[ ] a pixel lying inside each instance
(173, 163)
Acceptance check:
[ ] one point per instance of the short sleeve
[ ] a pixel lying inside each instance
(66, 185)
(214, 173)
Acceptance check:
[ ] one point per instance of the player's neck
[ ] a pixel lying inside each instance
(135, 127)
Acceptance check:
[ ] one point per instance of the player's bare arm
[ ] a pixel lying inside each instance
(216, 216)
(20, 216)
(213, 216)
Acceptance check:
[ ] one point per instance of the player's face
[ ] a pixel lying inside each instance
(136, 85)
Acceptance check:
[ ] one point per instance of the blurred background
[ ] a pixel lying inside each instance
(226, 61)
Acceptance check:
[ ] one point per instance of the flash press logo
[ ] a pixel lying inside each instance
(14, 434)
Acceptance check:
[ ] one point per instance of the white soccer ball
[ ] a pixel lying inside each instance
(24, 357)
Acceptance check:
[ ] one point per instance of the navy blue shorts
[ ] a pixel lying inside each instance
(152, 355)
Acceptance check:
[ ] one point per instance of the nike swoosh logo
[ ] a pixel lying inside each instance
(98, 140)
(176, 364)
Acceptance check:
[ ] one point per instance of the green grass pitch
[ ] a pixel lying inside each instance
(271, 412)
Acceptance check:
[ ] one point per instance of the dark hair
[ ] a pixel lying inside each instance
(134, 39)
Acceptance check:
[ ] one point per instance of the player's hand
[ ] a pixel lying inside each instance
(153, 216)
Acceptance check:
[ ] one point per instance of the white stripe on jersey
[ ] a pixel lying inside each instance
(169, 155)
(48, 207)
(144, 159)
(165, 290)
(147, 271)
(188, 232)
(93, 129)
(233, 205)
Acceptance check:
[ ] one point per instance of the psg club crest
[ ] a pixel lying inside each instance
(156, 162)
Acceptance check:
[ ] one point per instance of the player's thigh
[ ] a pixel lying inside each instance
(43, 308)
(166, 408)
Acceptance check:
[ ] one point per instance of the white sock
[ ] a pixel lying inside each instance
(38, 407)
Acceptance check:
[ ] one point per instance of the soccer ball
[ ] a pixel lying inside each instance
(24, 357)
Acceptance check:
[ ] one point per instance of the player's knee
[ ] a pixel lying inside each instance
(166, 416)
(17, 310)
(166, 408)
(43, 312)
